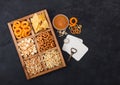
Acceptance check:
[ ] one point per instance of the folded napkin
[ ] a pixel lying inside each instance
(77, 43)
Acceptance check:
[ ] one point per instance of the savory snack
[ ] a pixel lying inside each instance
(45, 41)
(33, 66)
(24, 24)
(21, 29)
(51, 59)
(16, 23)
(76, 29)
(27, 48)
(73, 21)
(39, 22)
(36, 44)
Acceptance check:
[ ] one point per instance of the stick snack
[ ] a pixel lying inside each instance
(36, 44)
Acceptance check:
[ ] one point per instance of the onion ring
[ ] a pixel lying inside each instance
(17, 31)
(16, 23)
(73, 21)
(24, 24)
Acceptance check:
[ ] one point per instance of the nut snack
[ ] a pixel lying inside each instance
(33, 66)
(51, 59)
(27, 47)
(36, 44)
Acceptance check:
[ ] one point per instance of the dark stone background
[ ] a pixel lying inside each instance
(101, 31)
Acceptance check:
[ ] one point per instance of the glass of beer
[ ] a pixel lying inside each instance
(60, 22)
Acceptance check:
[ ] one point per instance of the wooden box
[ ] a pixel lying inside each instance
(39, 52)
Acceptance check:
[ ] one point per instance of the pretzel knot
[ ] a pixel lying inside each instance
(45, 41)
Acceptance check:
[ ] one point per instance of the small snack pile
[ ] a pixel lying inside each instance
(45, 41)
(39, 22)
(51, 59)
(36, 44)
(74, 27)
(33, 66)
(27, 47)
(21, 29)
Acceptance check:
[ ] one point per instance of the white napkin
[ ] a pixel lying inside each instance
(77, 43)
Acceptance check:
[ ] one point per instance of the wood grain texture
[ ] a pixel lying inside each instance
(33, 36)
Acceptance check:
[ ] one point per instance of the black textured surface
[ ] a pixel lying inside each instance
(101, 31)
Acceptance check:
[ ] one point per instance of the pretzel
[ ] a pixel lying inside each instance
(47, 34)
(52, 44)
(75, 30)
(42, 42)
(42, 48)
(45, 41)
(48, 46)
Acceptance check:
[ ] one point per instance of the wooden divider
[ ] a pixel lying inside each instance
(38, 54)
